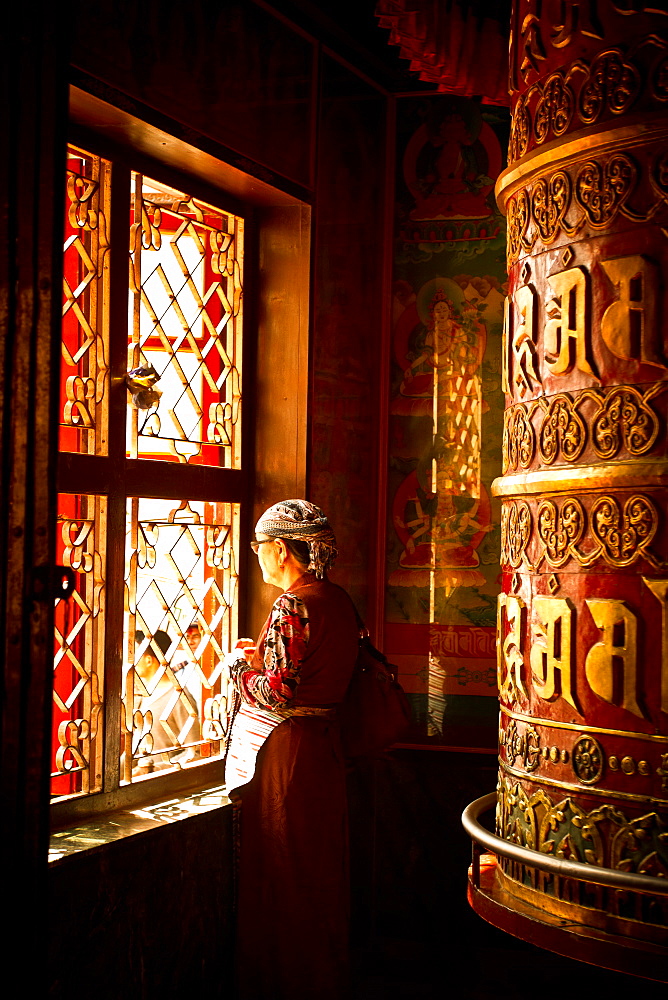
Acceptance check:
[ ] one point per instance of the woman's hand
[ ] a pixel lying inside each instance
(245, 646)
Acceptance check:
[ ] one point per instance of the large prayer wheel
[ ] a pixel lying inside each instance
(583, 620)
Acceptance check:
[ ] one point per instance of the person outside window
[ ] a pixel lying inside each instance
(170, 713)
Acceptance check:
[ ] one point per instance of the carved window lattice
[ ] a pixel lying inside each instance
(181, 297)
(186, 263)
(76, 765)
(180, 586)
(85, 324)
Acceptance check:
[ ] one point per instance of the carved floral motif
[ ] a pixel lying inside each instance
(588, 760)
(549, 204)
(640, 846)
(583, 93)
(625, 533)
(568, 832)
(519, 131)
(660, 80)
(519, 216)
(519, 439)
(622, 420)
(516, 529)
(602, 188)
(603, 836)
(560, 530)
(525, 746)
(612, 85)
(554, 109)
(659, 175)
(619, 532)
(562, 431)
(597, 190)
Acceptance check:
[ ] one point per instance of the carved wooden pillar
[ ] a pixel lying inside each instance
(583, 643)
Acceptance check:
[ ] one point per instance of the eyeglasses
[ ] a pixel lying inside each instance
(256, 545)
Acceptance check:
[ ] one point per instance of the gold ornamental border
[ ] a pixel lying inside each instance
(565, 432)
(573, 727)
(558, 153)
(589, 916)
(618, 529)
(605, 475)
(548, 863)
(581, 789)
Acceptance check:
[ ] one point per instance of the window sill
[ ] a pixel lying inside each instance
(98, 832)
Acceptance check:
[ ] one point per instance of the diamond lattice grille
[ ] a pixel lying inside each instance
(185, 321)
(181, 582)
(139, 685)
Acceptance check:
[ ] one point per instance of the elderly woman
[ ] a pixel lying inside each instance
(286, 768)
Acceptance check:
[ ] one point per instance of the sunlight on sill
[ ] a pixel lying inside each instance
(113, 826)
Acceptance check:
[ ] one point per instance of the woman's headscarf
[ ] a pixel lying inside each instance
(303, 522)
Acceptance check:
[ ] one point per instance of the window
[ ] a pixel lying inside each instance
(152, 492)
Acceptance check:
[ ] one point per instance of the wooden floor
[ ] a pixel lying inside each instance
(491, 966)
(416, 936)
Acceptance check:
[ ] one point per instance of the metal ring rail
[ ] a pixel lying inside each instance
(535, 859)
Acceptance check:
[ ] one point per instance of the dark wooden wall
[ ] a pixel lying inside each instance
(146, 916)
(32, 109)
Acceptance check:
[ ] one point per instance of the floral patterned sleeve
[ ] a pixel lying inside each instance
(285, 645)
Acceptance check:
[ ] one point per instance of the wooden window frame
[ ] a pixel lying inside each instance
(275, 400)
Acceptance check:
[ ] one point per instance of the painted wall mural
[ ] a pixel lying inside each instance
(446, 415)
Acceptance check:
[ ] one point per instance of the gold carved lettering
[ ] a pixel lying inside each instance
(532, 44)
(567, 331)
(610, 666)
(552, 662)
(660, 590)
(510, 658)
(576, 18)
(629, 326)
(505, 346)
(522, 340)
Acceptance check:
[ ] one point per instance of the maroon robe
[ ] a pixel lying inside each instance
(292, 926)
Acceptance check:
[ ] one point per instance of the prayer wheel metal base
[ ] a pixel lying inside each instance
(603, 917)
(506, 904)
